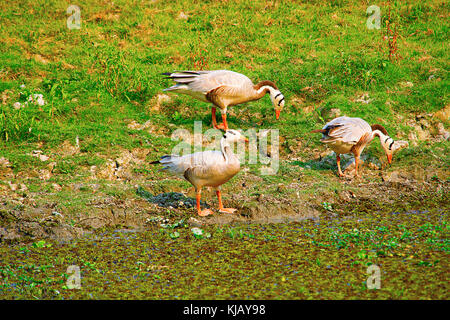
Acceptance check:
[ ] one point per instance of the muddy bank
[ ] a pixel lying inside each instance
(396, 191)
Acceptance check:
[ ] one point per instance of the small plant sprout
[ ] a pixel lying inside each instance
(174, 235)
(199, 234)
(41, 244)
(327, 206)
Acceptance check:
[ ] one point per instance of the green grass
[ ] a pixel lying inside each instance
(117, 56)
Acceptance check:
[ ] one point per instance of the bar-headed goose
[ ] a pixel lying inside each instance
(223, 89)
(210, 168)
(352, 135)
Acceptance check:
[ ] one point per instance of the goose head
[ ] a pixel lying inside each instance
(390, 147)
(277, 99)
(387, 144)
(231, 136)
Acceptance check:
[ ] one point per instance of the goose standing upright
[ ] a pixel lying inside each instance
(352, 135)
(223, 89)
(208, 168)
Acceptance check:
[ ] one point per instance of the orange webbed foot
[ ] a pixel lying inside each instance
(205, 212)
(345, 176)
(227, 210)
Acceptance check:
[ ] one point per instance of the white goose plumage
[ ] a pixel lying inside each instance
(352, 135)
(208, 168)
(223, 89)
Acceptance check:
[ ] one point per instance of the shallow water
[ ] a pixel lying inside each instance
(295, 260)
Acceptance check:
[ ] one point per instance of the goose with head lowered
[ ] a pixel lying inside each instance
(224, 88)
(210, 168)
(352, 135)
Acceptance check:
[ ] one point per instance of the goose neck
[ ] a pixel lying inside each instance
(384, 139)
(226, 150)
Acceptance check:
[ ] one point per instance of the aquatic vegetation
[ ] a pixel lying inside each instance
(309, 259)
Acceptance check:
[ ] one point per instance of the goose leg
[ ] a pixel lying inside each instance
(224, 125)
(356, 165)
(338, 162)
(205, 212)
(221, 208)
(214, 121)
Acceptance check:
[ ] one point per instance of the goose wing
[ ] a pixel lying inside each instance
(200, 164)
(205, 81)
(345, 129)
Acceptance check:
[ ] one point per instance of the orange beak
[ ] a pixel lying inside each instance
(277, 114)
(389, 157)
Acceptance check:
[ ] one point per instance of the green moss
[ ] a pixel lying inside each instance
(325, 259)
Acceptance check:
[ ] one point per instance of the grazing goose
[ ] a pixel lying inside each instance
(345, 135)
(208, 168)
(223, 89)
